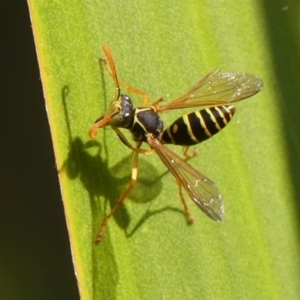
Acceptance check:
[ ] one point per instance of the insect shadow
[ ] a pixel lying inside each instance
(88, 162)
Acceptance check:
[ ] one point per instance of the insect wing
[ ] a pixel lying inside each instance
(217, 88)
(199, 188)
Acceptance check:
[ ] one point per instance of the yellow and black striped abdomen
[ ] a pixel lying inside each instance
(196, 127)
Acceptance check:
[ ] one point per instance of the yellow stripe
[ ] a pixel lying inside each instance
(221, 114)
(134, 173)
(213, 118)
(189, 130)
(136, 120)
(202, 123)
(170, 135)
(228, 109)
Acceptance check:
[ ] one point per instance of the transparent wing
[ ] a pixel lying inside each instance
(199, 188)
(217, 88)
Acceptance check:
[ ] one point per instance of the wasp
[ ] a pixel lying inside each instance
(216, 91)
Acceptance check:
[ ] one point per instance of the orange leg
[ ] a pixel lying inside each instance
(155, 103)
(186, 210)
(111, 69)
(189, 155)
(134, 174)
(127, 143)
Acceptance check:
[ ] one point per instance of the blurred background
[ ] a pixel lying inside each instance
(35, 256)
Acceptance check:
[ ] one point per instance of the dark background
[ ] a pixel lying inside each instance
(35, 258)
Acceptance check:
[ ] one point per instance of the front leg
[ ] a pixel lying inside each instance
(125, 141)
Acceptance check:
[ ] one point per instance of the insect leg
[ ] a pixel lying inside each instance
(191, 154)
(127, 143)
(186, 209)
(134, 174)
(155, 103)
(107, 65)
(135, 91)
(111, 69)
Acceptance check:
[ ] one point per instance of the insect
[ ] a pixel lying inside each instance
(216, 91)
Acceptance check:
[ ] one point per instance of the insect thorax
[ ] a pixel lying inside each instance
(146, 120)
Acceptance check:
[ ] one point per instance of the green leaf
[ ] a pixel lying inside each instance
(162, 48)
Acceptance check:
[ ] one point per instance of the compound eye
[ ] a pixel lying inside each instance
(126, 107)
